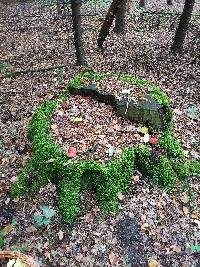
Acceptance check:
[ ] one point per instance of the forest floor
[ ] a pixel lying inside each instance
(152, 227)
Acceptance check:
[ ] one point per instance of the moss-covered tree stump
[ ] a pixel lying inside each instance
(163, 163)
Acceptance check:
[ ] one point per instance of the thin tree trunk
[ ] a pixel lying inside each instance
(120, 18)
(169, 2)
(80, 54)
(182, 28)
(142, 3)
(108, 22)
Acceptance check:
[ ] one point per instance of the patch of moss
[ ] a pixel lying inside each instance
(194, 167)
(171, 145)
(164, 174)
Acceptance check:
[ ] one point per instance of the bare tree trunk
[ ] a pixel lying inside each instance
(120, 18)
(142, 3)
(169, 2)
(108, 22)
(80, 54)
(182, 28)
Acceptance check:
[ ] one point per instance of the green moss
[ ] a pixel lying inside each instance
(164, 174)
(116, 176)
(181, 167)
(143, 159)
(194, 167)
(171, 145)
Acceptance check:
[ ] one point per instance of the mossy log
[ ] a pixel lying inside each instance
(147, 111)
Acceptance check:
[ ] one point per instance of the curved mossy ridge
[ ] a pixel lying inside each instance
(50, 163)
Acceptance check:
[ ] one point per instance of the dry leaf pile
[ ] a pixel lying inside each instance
(93, 129)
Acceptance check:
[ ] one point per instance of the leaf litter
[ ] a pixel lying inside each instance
(168, 226)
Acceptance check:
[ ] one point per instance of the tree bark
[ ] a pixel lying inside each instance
(80, 54)
(182, 28)
(115, 5)
(142, 3)
(120, 18)
(169, 2)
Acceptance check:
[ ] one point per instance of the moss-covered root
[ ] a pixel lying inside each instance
(164, 174)
(117, 176)
(19, 188)
(171, 145)
(69, 190)
(143, 159)
(194, 167)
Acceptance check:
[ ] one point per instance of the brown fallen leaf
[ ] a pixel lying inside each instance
(185, 198)
(195, 215)
(153, 263)
(60, 235)
(136, 178)
(120, 196)
(144, 226)
(185, 210)
(113, 258)
(79, 257)
(176, 248)
(178, 111)
(54, 126)
(197, 222)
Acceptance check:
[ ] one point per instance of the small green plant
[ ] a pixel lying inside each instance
(5, 231)
(6, 70)
(45, 218)
(22, 249)
(2, 241)
(127, 261)
(4, 67)
(195, 248)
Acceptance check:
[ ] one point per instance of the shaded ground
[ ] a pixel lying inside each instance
(150, 224)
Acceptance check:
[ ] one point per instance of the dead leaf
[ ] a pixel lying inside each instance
(186, 210)
(14, 179)
(77, 119)
(195, 215)
(120, 196)
(176, 248)
(7, 200)
(185, 198)
(136, 178)
(153, 263)
(144, 226)
(8, 229)
(178, 111)
(113, 258)
(79, 257)
(197, 222)
(60, 235)
(54, 126)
